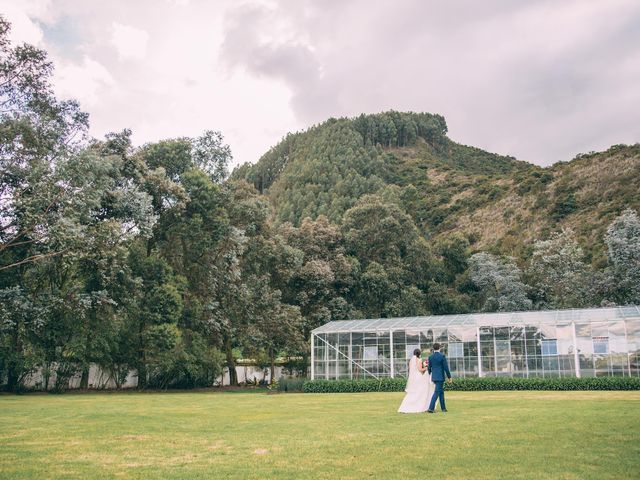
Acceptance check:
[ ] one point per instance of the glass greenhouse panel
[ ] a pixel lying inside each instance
(559, 343)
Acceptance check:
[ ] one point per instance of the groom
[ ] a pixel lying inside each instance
(438, 368)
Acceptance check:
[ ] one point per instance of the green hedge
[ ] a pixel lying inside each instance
(476, 384)
(351, 386)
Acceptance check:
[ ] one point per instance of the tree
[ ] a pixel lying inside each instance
(410, 302)
(67, 211)
(20, 321)
(211, 155)
(276, 326)
(377, 231)
(393, 256)
(207, 153)
(454, 251)
(623, 245)
(37, 133)
(375, 289)
(558, 274)
(324, 277)
(201, 245)
(93, 226)
(157, 312)
(174, 156)
(499, 283)
(270, 324)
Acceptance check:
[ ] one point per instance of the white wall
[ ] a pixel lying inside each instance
(250, 372)
(98, 379)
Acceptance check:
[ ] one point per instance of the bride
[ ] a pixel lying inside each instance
(419, 387)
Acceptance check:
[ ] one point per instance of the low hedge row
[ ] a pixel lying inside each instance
(476, 384)
(353, 386)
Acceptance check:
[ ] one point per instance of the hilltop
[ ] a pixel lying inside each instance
(500, 203)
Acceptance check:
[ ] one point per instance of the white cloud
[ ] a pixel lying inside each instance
(517, 78)
(86, 81)
(538, 80)
(22, 18)
(130, 42)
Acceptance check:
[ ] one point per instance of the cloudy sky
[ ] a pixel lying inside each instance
(539, 80)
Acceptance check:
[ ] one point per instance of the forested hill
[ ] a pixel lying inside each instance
(325, 169)
(500, 203)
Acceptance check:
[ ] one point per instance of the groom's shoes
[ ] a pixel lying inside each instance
(445, 411)
(430, 411)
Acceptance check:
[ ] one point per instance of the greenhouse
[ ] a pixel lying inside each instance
(552, 343)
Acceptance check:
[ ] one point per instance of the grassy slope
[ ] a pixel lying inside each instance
(603, 185)
(507, 218)
(569, 435)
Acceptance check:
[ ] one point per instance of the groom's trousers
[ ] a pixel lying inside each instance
(438, 394)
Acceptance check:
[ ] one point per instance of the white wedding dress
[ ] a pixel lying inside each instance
(419, 389)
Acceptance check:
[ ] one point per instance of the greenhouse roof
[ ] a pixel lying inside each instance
(587, 315)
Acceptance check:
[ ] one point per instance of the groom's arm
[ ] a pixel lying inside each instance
(446, 367)
(429, 365)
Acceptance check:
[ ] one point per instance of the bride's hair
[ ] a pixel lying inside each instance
(417, 352)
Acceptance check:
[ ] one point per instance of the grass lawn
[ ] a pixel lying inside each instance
(568, 435)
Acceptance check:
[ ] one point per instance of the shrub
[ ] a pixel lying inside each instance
(190, 364)
(291, 384)
(477, 384)
(560, 384)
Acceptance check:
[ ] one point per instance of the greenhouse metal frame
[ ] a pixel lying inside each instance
(552, 343)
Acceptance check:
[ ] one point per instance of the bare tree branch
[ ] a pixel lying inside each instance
(33, 258)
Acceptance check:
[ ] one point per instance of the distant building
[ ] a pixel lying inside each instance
(552, 343)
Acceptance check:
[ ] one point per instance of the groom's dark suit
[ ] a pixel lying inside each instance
(438, 367)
